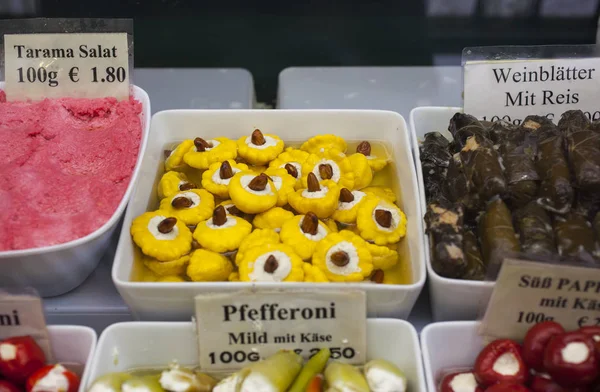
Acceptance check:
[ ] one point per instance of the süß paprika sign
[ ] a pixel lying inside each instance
(527, 293)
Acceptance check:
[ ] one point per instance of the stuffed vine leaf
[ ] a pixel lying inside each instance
(445, 228)
(475, 269)
(482, 167)
(435, 158)
(575, 237)
(497, 234)
(534, 225)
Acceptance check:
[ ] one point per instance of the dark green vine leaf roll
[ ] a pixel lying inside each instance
(445, 228)
(575, 237)
(534, 225)
(583, 149)
(498, 238)
(556, 192)
(435, 158)
(475, 265)
(517, 149)
(482, 167)
(462, 126)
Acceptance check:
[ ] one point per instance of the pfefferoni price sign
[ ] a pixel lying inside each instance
(527, 293)
(83, 65)
(237, 329)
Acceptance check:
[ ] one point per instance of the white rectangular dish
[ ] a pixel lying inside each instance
(73, 344)
(174, 301)
(451, 299)
(447, 346)
(130, 345)
(57, 269)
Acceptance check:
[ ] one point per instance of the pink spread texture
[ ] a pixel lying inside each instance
(64, 167)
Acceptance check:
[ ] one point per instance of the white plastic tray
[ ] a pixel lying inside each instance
(447, 346)
(73, 344)
(451, 299)
(56, 269)
(174, 301)
(155, 344)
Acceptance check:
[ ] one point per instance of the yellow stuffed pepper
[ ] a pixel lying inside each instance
(381, 192)
(343, 257)
(380, 221)
(376, 163)
(348, 204)
(172, 182)
(331, 224)
(259, 148)
(167, 268)
(302, 233)
(363, 174)
(161, 236)
(271, 263)
(291, 160)
(330, 165)
(322, 199)
(216, 179)
(258, 237)
(320, 143)
(313, 274)
(174, 158)
(252, 194)
(222, 233)
(272, 219)
(383, 257)
(284, 183)
(207, 266)
(190, 206)
(206, 152)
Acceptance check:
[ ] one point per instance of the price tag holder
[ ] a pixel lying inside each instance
(22, 314)
(237, 329)
(512, 89)
(78, 65)
(527, 293)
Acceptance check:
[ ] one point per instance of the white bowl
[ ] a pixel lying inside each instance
(73, 344)
(174, 301)
(451, 299)
(54, 270)
(124, 346)
(448, 346)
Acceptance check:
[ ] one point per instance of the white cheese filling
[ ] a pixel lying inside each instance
(335, 169)
(358, 196)
(321, 232)
(352, 265)
(283, 269)
(230, 222)
(380, 380)
(229, 384)
(269, 142)
(101, 387)
(153, 229)
(506, 364)
(315, 195)
(214, 143)
(396, 218)
(216, 177)
(464, 382)
(245, 180)
(257, 382)
(175, 380)
(126, 387)
(8, 351)
(55, 380)
(596, 338)
(575, 353)
(296, 165)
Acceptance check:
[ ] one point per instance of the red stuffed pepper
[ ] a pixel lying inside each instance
(507, 387)
(53, 378)
(7, 386)
(594, 333)
(570, 359)
(501, 361)
(19, 358)
(536, 340)
(460, 382)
